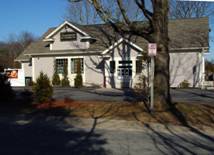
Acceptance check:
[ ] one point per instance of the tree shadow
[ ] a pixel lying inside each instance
(172, 140)
(176, 143)
(182, 119)
(201, 94)
(39, 133)
(44, 131)
(22, 100)
(132, 96)
(48, 137)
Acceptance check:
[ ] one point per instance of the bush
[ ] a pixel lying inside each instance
(184, 84)
(6, 91)
(56, 79)
(78, 79)
(65, 82)
(42, 88)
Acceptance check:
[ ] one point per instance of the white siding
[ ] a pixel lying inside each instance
(185, 66)
(27, 69)
(67, 45)
(94, 72)
(122, 52)
(42, 64)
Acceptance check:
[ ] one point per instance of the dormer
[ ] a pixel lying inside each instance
(67, 36)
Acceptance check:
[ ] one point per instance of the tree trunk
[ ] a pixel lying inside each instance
(160, 36)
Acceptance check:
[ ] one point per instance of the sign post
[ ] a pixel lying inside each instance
(152, 51)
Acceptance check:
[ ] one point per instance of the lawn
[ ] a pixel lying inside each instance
(197, 115)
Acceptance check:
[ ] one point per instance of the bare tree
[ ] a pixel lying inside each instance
(25, 38)
(154, 30)
(14, 45)
(82, 12)
(190, 9)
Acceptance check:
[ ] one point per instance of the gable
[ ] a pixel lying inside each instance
(123, 49)
(66, 25)
(122, 41)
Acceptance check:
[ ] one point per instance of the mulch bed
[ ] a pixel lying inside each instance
(194, 114)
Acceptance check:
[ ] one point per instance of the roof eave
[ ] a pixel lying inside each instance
(65, 53)
(190, 49)
(61, 26)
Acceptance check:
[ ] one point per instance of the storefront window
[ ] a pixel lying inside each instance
(60, 64)
(74, 65)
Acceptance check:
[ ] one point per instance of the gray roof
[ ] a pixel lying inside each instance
(183, 33)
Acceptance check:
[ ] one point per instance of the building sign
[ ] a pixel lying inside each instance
(152, 49)
(12, 74)
(68, 36)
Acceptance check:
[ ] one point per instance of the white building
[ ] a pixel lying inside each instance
(108, 60)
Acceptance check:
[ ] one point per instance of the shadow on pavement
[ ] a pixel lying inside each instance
(202, 93)
(44, 131)
(175, 143)
(47, 135)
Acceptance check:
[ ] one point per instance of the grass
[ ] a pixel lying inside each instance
(197, 115)
(194, 114)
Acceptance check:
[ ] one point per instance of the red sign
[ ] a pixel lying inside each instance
(152, 49)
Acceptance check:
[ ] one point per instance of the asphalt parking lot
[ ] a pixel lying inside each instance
(196, 96)
(193, 96)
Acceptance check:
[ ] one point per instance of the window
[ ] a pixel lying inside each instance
(112, 66)
(125, 68)
(68, 36)
(125, 62)
(125, 72)
(60, 64)
(74, 65)
(139, 66)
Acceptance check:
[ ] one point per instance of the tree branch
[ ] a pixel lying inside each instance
(123, 12)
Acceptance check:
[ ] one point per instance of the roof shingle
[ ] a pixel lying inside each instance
(183, 33)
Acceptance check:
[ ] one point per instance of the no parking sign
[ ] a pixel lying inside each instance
(152, 49)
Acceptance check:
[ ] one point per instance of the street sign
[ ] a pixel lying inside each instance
(152, 49)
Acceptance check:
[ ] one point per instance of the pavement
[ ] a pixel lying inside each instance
(63, 135)
(195, 96)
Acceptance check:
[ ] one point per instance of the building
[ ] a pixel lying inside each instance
(109, 60)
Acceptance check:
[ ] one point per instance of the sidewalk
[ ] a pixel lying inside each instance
(70, 135)
(123, 125)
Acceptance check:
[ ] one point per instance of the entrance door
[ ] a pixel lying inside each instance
(125, 73)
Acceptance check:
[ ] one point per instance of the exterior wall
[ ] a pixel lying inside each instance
(94, 71)
(122, 52)
(46, 65)
(71, 76)
(27, 68)
(66, 45)
(42, 64)
(186, 66)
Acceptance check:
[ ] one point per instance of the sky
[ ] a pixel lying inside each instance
(36, 16)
